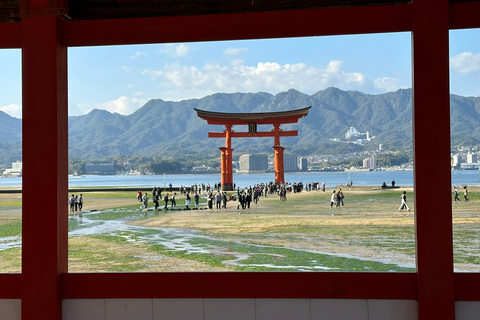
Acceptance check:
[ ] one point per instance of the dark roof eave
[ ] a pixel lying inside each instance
(253, 116)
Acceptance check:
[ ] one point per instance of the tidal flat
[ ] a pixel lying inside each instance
(301, 234)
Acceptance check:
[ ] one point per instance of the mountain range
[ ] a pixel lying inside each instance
(172, 129)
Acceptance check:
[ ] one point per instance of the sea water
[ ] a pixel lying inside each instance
(331, 179)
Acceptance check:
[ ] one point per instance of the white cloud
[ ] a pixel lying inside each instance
(137, 54)
(175, 51)
(235, 51)
(387, 84)
(178, 81)
(466, 62)
(123, 105)
(13, 110)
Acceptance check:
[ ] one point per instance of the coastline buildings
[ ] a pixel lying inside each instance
(471, 158)
(253, 162)
(371, 162)
(100, 168)
(15, 171)
(290, 162)
(457, 161)
(303, 164)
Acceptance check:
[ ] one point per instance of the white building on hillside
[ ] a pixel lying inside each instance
(16, 170)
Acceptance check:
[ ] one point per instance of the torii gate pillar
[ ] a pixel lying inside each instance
(278, 165)
(278, 156)
(226, 161)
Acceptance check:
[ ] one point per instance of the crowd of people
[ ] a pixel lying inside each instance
(76, 203)
(217, 198)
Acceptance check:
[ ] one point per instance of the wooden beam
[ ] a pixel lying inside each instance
(45, 167)
(291, 133)
(463, 15)
(260, 25)
(431, 136)
(320, 285)
(10, 286)
(10, 35)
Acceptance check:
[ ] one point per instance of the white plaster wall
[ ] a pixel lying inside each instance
(467, 310)
(239, 309)
(10, 309)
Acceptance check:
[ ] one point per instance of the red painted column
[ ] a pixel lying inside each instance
(431, 130)
(228, 185)
(278, 164)
(45, 167)
(278, 156)
(223, 169)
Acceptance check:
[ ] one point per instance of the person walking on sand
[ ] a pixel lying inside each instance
(333, 199)
(145, 201)
(210, 197)
(340, 197)
(404, 204)
(455, 191)
(187, 200)
(218, 200)
(197, 199)
(166, 201)
(465, 193)
(80, 202)
(224, 200)
(173, 202)
(76, 203)
(71, 202)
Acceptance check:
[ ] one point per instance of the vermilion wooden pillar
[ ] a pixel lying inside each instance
(431, 129)
(278, 163)
(227, 173)
(45, 167)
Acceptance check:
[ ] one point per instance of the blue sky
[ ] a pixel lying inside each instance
(123, 78)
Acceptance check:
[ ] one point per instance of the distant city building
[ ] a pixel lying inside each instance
(366, 163)
(370, 163)
(200, 169)
(290, 162)
(469, 166)
(471, 158)
(353, 133)
(380, 147)
(303, 164)
(253, 162)
(100, 168)
(456, 160)
(16, 169)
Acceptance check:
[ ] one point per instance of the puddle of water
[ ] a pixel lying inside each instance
(191, 242)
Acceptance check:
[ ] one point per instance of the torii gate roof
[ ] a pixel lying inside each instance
(279, 117)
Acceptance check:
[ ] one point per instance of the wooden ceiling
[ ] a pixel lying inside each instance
(111, 9)
(15, 10)
(12, 11)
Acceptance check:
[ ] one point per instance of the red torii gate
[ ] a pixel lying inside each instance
(252, 120)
